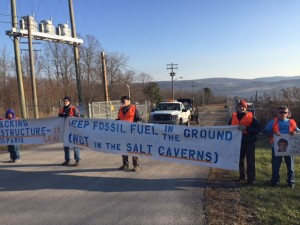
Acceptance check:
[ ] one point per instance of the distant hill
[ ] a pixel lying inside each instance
(277, 78)
(234, 87)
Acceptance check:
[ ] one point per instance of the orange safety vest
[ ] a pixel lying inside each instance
(292, 127)
(129, 116)
(245, 121)
(71, 112)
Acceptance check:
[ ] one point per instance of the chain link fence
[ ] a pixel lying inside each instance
(104, 110)
(110, 109)
(231, 107)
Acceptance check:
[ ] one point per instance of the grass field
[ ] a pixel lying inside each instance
(273, 205)
(229, 202)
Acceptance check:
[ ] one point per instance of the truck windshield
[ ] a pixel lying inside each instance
(168, 106)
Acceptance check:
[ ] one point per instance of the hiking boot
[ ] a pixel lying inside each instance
(243, 179)
(65, 163)
(76, 163)
(136, 168)
(250, 182)
(125, 166)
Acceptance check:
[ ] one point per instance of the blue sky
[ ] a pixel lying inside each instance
(206, 38)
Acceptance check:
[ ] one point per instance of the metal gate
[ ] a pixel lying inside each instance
(110, 109)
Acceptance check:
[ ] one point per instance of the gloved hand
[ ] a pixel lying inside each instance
(63, 115)
(242, 128)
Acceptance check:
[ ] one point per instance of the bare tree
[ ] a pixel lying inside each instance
(61, 62)
(114, 69)
(90, 53)
(5, 69)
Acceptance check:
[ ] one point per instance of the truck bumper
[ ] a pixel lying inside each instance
(164, 122)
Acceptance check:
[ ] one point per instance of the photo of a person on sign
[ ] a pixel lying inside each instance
(282, 145)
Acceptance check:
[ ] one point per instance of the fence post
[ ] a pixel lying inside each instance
(90, 110)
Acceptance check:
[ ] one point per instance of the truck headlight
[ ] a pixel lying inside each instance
(174, 117)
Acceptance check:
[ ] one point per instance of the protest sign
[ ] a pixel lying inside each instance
(217, 146)
(286, 144)
(31, 131)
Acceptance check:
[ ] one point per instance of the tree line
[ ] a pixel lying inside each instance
(267, 104)
(55, 77)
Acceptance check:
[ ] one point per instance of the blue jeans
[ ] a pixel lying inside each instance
(14, 151)
(276, 163)
(76, 153)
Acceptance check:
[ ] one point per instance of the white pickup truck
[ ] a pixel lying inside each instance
(172, 112)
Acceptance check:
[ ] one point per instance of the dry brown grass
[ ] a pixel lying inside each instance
(222, 201)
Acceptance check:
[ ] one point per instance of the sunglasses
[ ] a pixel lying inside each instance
(282, 112)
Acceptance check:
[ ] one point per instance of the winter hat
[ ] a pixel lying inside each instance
(67, 98)
(125, 97)
(243, 103)
(10, 111)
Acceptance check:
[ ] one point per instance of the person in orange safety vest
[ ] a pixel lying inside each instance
(250, 127)
(277, 126)
(129, 113)
(69, 111)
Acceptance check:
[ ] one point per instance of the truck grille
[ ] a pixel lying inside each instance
(162, 117)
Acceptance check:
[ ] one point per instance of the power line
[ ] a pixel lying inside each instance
(136, 70)
(133, 69)
(4, 22)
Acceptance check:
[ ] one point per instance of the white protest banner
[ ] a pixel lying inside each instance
(286, 144)
(217, 147)
(31, 131)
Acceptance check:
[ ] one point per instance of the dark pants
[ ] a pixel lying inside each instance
(276, 163)
(135, 160)
(247, 152)
(14, 151)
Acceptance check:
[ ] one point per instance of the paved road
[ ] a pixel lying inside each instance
(38, 191)
(213, 115)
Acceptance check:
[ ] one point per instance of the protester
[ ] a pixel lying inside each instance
(277, 126)
(14, 150)
(250, 128)
(129, 113)
(69, 111)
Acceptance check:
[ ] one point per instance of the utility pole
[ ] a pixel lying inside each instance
(203, 93)
(105, 88)
(193, 90)
(40, 35)
(32, 71)
(172, 74)
(18, 60)
(76, 54)
(128, 86)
